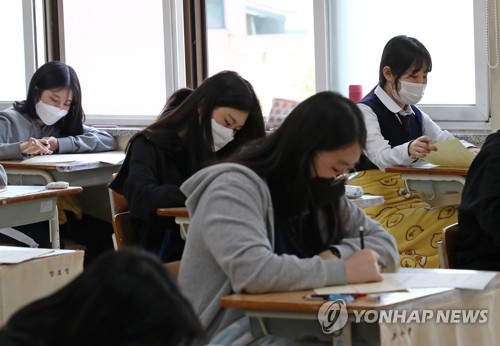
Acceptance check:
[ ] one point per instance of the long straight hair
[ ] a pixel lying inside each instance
(188, 127)
(55, 75)
(323, 122)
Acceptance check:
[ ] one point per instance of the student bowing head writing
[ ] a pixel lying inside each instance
(398, 131)
(196, 128)
(274, 216)
(51, 118)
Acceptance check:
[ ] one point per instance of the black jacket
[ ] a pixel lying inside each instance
(150, 179)
(478, 244)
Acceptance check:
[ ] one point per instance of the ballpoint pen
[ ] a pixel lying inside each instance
(348, 298)
(362, 237)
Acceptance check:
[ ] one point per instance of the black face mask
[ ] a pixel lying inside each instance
(327, 190)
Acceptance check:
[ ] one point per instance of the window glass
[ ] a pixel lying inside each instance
(117, 50)
(12, 69)
(446, 27)
(270, 43)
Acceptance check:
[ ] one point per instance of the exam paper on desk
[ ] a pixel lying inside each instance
(387, 285)
(468, 279)
(111, 157)
(451, 153)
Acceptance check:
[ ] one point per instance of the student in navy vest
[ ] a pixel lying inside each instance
(398, 131)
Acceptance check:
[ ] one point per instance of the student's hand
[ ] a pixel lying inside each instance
(362, 266)
(473, 150)
(420, 147)
(51, 142)
(35, 147)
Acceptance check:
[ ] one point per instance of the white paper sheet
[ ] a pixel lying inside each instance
(12, 254)
(111, 157)
(470, 279)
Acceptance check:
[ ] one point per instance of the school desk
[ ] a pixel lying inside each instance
(87, 170)
(289, 314)
(437, 185)
(182, 216)
(22, 205)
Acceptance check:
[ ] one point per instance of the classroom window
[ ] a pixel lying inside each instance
(24, 47)
(129, 54)
(124, 55)
(270, 44)
(452, 30)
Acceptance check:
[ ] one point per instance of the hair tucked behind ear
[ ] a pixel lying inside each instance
(402, 53)
(56, 75)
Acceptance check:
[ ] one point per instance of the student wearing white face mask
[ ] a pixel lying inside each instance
(398, 131)
(51, 118)
(209, 123)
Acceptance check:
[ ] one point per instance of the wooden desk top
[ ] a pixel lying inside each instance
(20, 193)
(294, 301)
(439, 170)
(176, 212)
(362, 202)
(68, 162)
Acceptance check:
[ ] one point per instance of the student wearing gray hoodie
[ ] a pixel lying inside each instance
(275, 218)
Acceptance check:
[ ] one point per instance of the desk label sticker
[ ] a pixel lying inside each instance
(332, 316)
(46, 206)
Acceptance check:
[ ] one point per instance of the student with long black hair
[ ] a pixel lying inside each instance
(275, 217)
(214, 120)
(51, 120)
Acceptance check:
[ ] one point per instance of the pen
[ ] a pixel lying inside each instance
(348, 298)
(362, 237)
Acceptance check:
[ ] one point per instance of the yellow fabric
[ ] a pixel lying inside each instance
(68, 203)
(415, 225)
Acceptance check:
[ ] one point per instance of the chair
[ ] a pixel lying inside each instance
(120, 216)
(123, 229)
(450, 234)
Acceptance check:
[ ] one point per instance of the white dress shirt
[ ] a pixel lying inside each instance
(378, 149)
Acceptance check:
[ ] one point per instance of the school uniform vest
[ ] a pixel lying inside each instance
(391, 128)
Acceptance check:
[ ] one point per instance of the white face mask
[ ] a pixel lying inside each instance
(410, 93)
(49, 114)
(221, 135)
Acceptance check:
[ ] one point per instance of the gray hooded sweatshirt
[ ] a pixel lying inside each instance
(229, 248)
(16, 128)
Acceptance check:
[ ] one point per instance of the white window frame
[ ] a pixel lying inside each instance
(175, 67)
(467, 117)
(29, 46)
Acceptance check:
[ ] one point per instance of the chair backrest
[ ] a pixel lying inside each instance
(120, 217)
(117, 201)
(450, 234)
(122, 227)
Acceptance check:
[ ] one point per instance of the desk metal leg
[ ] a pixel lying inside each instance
(54, 230)
(344, 338)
